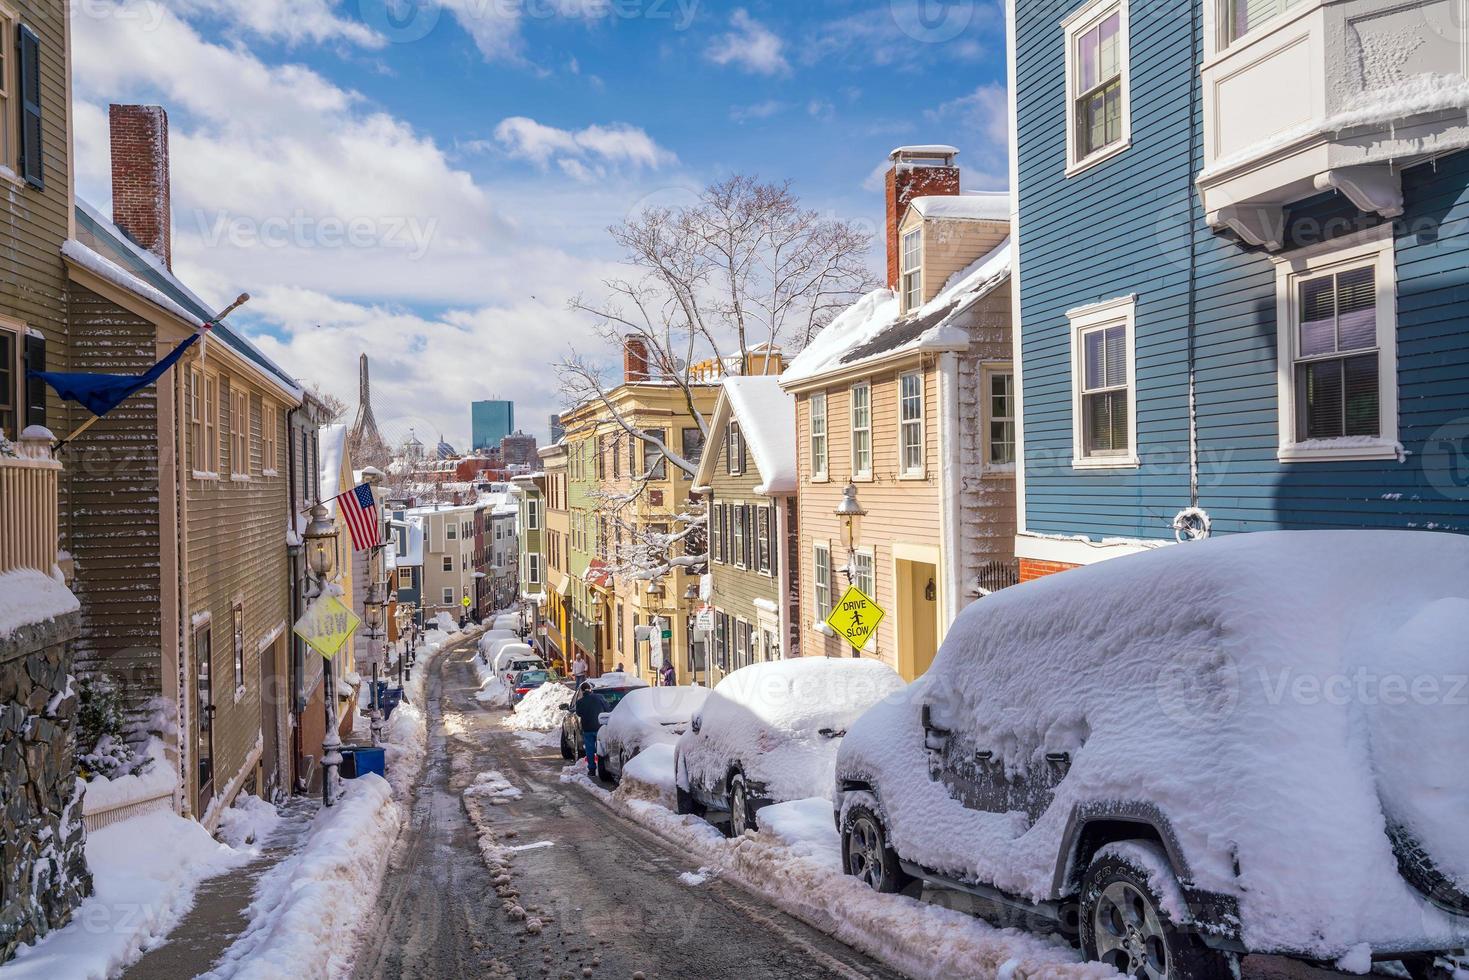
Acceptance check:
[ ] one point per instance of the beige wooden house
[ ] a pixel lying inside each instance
(907, 397)
(180, 502)
(748, 477)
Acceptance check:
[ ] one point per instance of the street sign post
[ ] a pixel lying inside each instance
(704, 619)
(327, 625)
(855, 617)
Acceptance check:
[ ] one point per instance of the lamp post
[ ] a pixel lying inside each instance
(372, 615)
(691, 595)
(321, 557)
(851, 513)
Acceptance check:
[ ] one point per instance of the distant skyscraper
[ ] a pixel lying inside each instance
(490, 421)
(557, 429)
(518, 449)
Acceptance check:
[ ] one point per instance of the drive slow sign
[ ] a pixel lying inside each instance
(327, 625)
(855, 617)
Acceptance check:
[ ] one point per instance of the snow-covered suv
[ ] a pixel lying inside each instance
(1253, 743)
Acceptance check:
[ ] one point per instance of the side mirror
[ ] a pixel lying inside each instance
(696, 723)
(602, 718)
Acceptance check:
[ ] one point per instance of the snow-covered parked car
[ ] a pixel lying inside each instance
(492, 640)
(1253, 743)
(645, 717)
(509, 654)
(769, 733)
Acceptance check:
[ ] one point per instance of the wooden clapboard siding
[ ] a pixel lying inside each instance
(899, 510)
(34, 223)
(113, 471)
(987, 503)
(736, 589)
(236, 552)
(1129, 225)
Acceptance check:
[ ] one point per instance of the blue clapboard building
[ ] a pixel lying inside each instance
(1243, 233)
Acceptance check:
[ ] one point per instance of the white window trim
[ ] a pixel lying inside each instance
(905, 269)
(922, 471)
(1375, 246)
(870, 554)
(1075, 24)
(986, 417)
(852, 430)
(448, 595)
(1121, 310)
(825, 548)
(820, 476)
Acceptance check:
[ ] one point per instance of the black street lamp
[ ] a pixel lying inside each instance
(321, 557)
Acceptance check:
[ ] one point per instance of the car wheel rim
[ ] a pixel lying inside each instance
(737, 809)
(865, 852)
(1130, 937)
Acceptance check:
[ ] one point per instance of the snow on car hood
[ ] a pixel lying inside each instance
(1238, 684)
(782, 721)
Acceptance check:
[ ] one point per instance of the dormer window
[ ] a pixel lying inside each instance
(913, 269)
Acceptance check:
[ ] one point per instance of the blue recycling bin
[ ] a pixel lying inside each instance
(359, 760)
(388, 698)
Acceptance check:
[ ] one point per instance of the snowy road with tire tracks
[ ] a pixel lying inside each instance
(606, 892)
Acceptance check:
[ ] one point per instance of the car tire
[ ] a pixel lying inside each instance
(1124, 925)
(567, 752)
(866, 854)
(741, 816)
(686, 805)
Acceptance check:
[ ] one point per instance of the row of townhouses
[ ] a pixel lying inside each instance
(153, 559)
(1219, 297)
(461, 559)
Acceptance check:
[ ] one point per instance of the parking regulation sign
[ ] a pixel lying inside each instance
(855, 617)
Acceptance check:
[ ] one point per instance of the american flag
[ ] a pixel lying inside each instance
(359, 507)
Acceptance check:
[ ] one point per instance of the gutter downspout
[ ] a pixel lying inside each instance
(951, 481)
(783, 584)
(1193, 264)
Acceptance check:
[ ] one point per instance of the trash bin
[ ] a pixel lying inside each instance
(369, 759)
(388, 698)
(348, 768)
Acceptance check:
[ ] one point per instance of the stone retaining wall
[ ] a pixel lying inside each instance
(43, 868)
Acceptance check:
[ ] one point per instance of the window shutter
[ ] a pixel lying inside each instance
(28, 46)
(774, 540)
(35, 388)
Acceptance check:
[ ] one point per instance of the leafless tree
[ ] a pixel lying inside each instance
(335, 409)
(742, 271)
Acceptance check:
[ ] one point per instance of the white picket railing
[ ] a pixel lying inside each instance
(28, 503)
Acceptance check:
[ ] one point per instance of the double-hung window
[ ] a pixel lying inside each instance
(1000, 425)
(821, 578)
(1096, 82)
(913, 269)
(762, 539)
(1337, 350)
(910, 424)
(1239, 17)
(739, 530)
(655, 464)
(269, 439)
(734, 452)
(239, 432)
(237, 618)
(818, 436)
(862, 574)
(448, 563)
(1104, 394)
(862, 429)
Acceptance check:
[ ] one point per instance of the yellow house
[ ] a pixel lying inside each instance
(905, 402)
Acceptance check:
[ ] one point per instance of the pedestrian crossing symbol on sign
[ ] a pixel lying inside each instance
(327, 625)
(855, 617)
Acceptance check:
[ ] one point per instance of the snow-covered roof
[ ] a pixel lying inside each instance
(871, 328)
(969, 206)
(766, 414)
(925, 150)
(332, 448)
(117, 258)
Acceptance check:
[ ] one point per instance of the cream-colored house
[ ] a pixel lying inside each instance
(907, 397)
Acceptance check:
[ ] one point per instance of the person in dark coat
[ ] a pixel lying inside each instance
(666, 673)
(589, 707)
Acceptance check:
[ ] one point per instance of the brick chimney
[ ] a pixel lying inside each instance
(916, 171)
(634, 359)
(140, 189)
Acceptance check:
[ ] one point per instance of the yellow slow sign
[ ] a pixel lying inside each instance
(855, 617)
(327, 625)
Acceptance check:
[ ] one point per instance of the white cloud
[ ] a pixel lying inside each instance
(584, 154)
(760, 110)
(332, 212)
(290, 21)
(984, 120)
(497, 26)
(750, 45)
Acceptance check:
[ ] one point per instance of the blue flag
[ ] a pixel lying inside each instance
(101, 393)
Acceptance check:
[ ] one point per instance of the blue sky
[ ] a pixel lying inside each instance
(431, 181)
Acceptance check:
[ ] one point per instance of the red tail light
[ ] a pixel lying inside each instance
(522, 690)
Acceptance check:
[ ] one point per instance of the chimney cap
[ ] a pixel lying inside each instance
(925, 151)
